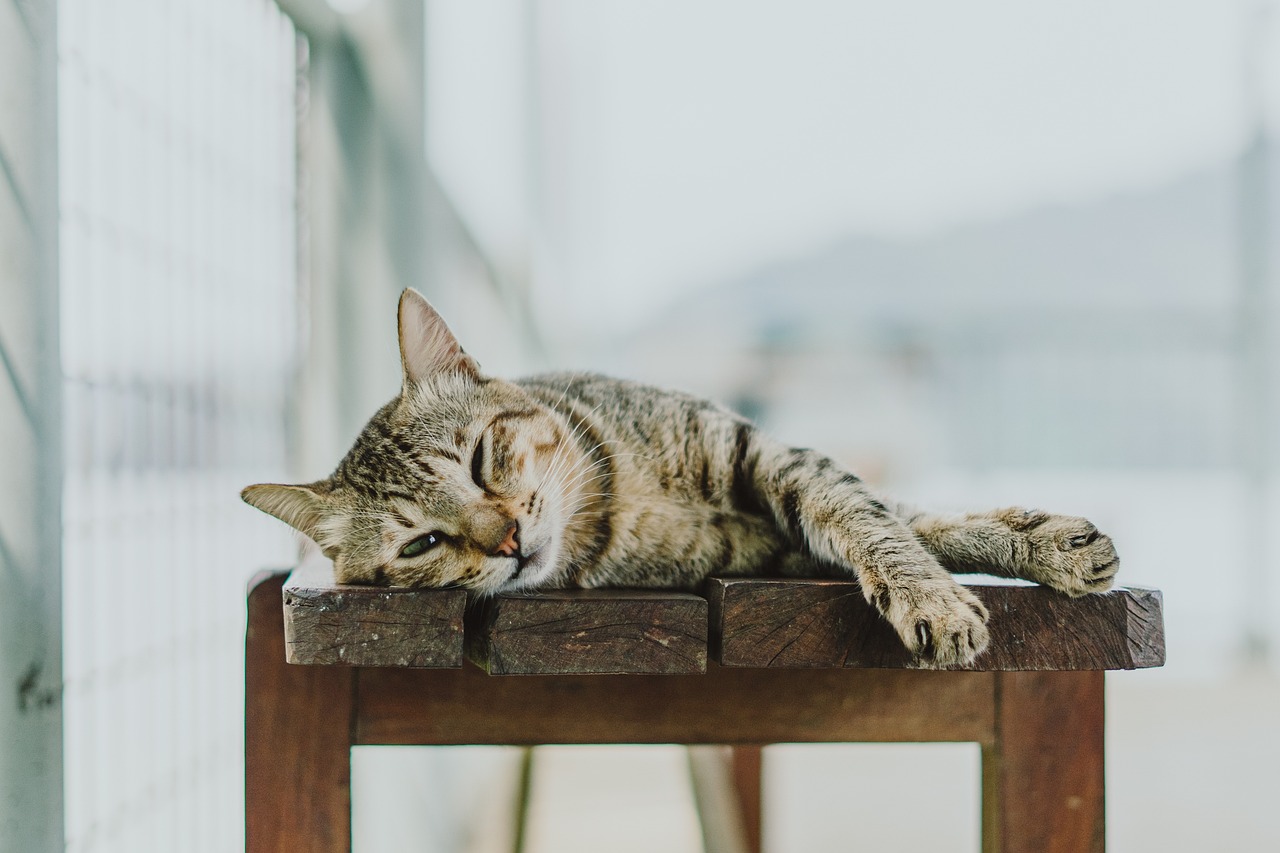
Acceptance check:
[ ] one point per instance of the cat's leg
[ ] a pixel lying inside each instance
(1060, 551)
(831, 514)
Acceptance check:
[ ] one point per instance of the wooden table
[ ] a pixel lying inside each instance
(752, 662)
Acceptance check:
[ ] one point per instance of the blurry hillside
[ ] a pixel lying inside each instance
(1096, 335)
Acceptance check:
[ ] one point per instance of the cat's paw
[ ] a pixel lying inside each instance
(938, 620)
(1067, 553)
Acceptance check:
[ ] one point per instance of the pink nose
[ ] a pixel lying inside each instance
(509, 546)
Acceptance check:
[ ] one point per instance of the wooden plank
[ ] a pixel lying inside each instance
(729, 706)
(331, 623)
(298, 730)
(1043, 778)
(820, 623)
(589, 631)
(1145, 608)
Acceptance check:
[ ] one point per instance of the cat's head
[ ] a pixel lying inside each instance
(460, 480)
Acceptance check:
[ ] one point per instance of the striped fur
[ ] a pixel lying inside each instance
(578, 480)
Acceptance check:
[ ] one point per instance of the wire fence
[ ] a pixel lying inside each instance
(179, 342)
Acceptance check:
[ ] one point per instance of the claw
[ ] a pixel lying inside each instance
(924, 636)
(1083, 539)
(1107, 570)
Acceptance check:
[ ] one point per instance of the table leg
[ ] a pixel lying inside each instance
(298, 735)
(747, 766)
(524, 792)
(1042, 779)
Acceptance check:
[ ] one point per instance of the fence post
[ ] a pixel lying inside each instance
(30, 433)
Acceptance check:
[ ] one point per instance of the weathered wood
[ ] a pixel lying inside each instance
(298, 729)
(812, 663)
(589, 632)
(1145, 609)
(331, 623)
(820, 623)
(1042, 779)
(729, 706)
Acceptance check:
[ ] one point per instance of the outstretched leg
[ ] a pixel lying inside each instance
(829, 513)
(1063, 552)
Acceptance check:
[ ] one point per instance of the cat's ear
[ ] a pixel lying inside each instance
(301, 507)
(427, 347)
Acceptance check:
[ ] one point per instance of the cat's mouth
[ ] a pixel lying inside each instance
(525, 560)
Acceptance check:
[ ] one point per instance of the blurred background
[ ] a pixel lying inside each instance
(987, 253)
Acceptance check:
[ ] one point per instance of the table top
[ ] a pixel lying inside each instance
(734, 622)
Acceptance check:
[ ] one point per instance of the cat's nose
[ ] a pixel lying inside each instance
(510, 547)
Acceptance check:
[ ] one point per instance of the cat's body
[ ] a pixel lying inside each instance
(580, 480)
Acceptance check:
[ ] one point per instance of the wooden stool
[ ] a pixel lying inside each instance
(753, 662)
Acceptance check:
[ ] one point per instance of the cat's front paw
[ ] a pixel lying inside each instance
(938, 621)
(1067, 553)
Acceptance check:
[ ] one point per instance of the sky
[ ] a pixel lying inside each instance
(615, 155)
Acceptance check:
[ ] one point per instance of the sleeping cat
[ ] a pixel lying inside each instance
(576, 480)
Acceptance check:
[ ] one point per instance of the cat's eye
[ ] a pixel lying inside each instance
(420, 545)
(477, 464)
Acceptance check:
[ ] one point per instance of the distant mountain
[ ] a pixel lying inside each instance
(1095, 333)
(1168, 250)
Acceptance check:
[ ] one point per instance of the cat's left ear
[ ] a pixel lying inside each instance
(427, 347)
(301, 507)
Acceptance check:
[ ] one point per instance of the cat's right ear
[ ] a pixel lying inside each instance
(427, 347)
(301, 507)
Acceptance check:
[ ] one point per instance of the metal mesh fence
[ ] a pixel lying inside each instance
(177, 200)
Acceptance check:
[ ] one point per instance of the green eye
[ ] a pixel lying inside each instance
(420, 545)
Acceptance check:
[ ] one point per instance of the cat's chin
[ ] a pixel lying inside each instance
(533, 571)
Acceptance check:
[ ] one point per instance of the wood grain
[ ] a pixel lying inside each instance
(1042, 779)
(805, 661)
(728, 706)
(298, 729)
(820, 623)
(329, 623)
(590, 631)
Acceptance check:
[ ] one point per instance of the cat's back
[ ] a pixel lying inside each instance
(608, 392)
(621, 409)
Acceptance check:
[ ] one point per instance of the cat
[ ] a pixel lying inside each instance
(578, 480)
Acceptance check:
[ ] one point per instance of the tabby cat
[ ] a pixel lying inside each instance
(576, 480)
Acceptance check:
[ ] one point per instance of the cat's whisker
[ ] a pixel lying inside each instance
(583, 477)
(581, 501)
(596, 495)
(564, 479)
(610, 457)
(579, 478)
(578, 430)
(561, 456)
(580, 513)
(563, 395)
